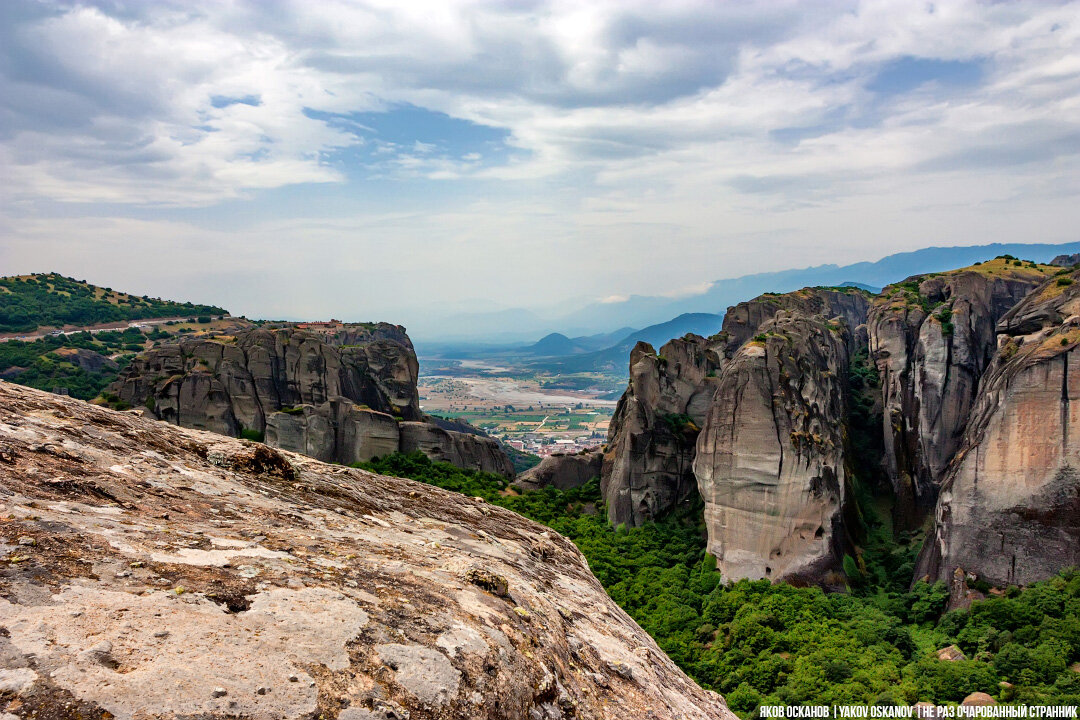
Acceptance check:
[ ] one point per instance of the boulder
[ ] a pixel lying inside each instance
(1009, 507)
(364, 434)
(950, 654)
(307, 431)
(337, 431)
(562, 472)
(253, 582)
(978, 699)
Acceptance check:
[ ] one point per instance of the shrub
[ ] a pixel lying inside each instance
(1064, 281)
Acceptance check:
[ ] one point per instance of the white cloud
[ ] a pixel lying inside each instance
(656, 146)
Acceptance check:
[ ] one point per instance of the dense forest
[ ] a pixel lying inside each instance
(759, 643)
(27, 303)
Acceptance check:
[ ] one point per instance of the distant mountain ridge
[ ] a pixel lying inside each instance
(557, 344)
(613, 358)
(641, 311)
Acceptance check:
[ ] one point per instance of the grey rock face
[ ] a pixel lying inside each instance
(464, 450)
(647, 468)
(743, 321)
(336, 397)
(770, 457)
(563, 472)
(648, 465)
(294, 589)
(932, 339)
(1009, 507)
(338, 431)
(262, 371)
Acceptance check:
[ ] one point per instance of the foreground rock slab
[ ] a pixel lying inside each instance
(148, 570)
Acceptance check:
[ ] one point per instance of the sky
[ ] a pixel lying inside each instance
(405, 159)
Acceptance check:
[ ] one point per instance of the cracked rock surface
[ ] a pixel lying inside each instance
(152, 571)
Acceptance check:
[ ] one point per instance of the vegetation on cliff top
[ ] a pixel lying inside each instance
(759, 643)
(33, 301)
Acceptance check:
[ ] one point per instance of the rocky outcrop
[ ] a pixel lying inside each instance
(770, 460)
(338, 431)
(88, 360)
(647, 468)
(1066, 261)
(562, 472)
(152, 570)
(461, 449)
(648, 465)
(227, 382)
(1009, 507)
(932, 337)
(743, 321)
(337, 396)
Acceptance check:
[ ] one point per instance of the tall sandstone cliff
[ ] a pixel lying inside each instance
(649, 464)
(157, 571)
(977, 386)
(1009, 507)
(770, 461)
(341, 397)
(932, 338)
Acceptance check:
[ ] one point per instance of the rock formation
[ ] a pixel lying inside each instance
(648, 466)
(153, 570)
(743, 321)
(1009, 507)
(562, 472)
(88, 360)
(770, 461)
(337, 396)
(337, 431)
(932, 337)
(465, 450)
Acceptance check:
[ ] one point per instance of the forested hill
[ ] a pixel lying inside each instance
(30, 302)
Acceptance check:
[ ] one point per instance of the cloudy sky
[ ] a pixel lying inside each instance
(289, 158)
